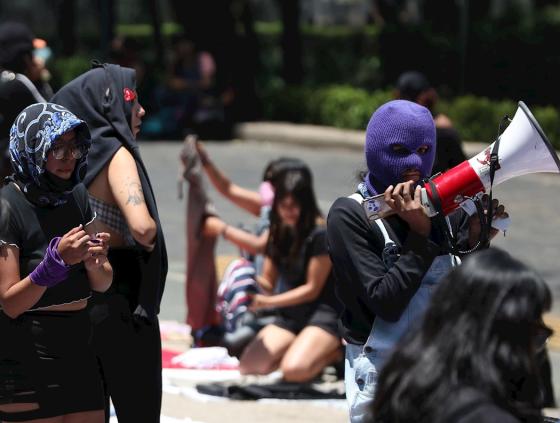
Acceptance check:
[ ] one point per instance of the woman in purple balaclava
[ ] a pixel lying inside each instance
(400, 145)
(386, 268)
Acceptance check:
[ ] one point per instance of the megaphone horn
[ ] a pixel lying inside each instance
(523, 149)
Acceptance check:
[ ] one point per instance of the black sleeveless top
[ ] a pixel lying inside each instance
(30, 228)
(291, 277)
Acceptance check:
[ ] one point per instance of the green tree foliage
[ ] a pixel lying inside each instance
(343, 106)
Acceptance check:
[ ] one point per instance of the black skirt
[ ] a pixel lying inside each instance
(46, 358)
(322, 315)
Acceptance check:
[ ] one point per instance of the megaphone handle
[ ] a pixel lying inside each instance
(433, 205)
(485, 216)
(484, 236)
(469, 206)
(494, 165)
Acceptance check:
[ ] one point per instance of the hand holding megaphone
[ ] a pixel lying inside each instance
(405, 200)
(394, 201)
(500, 220)
(521, 149)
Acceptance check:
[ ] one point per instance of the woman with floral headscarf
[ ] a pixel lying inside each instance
(126, 329)
(49, 266)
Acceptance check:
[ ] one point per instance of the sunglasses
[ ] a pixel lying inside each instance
(77, 151)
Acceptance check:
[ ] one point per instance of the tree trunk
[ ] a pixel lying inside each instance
(225, 29)
(292, 66)
(66, 19)
(155, 15)
(107, 21)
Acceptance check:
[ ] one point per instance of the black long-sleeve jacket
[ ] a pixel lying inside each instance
(364, 286)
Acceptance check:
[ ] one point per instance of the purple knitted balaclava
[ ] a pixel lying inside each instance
(398, 122)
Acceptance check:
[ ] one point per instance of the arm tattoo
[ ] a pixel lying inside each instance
(135, 194)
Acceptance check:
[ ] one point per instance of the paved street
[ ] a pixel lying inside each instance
(532, 202)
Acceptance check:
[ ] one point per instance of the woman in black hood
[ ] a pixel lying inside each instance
(126, 329)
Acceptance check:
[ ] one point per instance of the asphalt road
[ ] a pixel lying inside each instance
(532, 201)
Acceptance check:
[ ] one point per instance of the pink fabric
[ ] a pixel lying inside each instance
(172, 360)
(266, 191)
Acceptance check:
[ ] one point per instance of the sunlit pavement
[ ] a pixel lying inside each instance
(531, 200)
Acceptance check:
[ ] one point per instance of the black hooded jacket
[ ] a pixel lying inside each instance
(97, 98)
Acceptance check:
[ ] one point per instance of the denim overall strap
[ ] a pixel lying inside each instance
(383, 230)
(361, 370)
(455, 260)
(363, 362)
(384, 334)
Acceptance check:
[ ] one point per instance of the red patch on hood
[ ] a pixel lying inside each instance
(129, 95)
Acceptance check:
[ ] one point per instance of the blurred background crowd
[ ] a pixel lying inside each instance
(203, 66)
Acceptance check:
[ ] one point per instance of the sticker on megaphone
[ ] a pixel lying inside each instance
(376, 207)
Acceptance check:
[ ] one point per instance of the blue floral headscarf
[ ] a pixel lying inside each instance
(32, 136)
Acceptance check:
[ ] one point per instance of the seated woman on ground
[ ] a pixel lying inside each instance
(257, 203)
(203, 229)
(303, 339)
(475, 357)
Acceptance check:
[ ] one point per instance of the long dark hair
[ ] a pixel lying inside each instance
(479, 332)
(276, 167)
(284, 244)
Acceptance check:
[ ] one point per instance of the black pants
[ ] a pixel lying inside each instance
(129, 355)
(46, 358)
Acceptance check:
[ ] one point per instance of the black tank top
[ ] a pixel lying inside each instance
(30, 228)
(295, 275)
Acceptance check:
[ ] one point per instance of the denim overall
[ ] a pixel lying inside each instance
(363, 362)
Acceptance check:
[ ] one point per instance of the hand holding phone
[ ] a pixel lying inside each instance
(98, 249)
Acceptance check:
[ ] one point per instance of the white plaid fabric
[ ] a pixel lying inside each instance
(112, 217)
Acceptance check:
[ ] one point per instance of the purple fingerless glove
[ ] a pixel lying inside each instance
(52, 270)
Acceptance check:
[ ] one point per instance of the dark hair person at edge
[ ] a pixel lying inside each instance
(126, 329)
(50, 262)
(474, 358)
(20, 80)
(386, 269)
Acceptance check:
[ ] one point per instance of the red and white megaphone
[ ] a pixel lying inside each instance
(523, 149)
